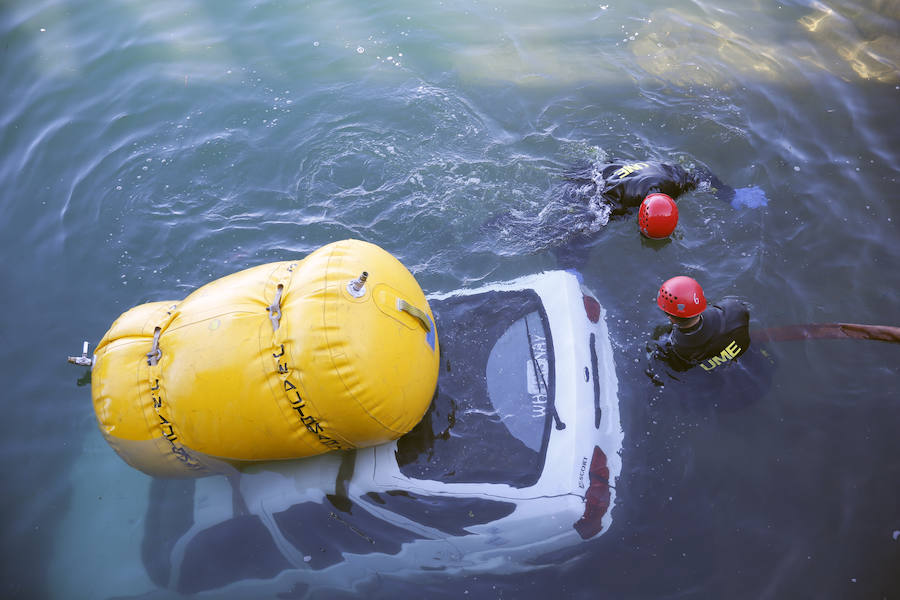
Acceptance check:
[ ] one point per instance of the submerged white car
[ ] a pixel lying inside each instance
(516, 458)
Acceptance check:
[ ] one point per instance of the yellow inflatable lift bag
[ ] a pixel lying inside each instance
(280, 361)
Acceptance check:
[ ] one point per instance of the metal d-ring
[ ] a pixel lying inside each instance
(275, 308)
(155, 353)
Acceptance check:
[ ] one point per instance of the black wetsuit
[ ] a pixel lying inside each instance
(610, 190)
(721, 336)
(624, 185)
(699, 370)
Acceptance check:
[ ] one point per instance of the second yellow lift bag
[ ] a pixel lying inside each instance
(284, 360)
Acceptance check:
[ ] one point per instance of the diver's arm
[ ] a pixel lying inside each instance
(745, 197)
(720, 190)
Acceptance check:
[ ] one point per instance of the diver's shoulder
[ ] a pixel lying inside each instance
(732, 305)
(735, 313)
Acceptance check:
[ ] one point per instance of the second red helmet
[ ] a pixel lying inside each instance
(681, 297)
(658, 216)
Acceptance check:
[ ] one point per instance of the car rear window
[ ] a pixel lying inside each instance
(490, 418)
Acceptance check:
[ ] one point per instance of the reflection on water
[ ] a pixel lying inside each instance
(864, 36)
(151, 147)
(713, 48)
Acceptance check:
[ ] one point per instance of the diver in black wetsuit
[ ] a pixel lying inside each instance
(613, 188)
(610, 190)
(715, 338)
(594, 193)
(622, 185)
(708, 337)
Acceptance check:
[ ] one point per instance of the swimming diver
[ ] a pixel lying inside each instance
(609, 190)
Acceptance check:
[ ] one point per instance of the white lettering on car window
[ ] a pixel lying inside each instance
(536, 380)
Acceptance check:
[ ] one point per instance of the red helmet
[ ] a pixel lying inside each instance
(658, 216)
(681, 297)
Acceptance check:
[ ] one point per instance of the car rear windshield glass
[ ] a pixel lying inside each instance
(489, 421)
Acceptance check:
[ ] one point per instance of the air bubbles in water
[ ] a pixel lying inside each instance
(360, 49)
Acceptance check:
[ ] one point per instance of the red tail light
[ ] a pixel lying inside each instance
(591, 307)
(596, 499)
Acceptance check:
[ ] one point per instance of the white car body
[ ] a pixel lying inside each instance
(337, 519)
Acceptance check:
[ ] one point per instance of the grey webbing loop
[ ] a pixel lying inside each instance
(420, 315)
(155, 353)
(275, 308)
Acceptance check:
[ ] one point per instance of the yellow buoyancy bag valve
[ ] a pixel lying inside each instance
(284, 360)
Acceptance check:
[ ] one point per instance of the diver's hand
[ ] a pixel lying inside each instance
(749, 197)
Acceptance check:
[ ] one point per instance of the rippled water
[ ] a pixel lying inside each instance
(148, 148)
